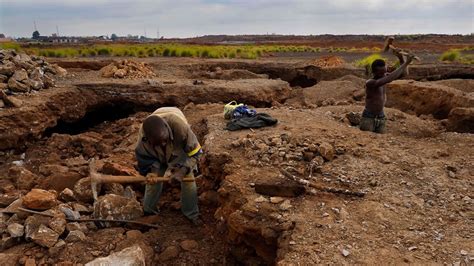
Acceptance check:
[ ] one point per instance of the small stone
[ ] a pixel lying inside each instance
(16, 230)
(39, 199)
(286, 205)
(276, 200)
(170, 252)
(54, 250)
(30, 262)
(345, 252)
(189, 245)
(75, 236)
(235, 144)
(292, 242)
(67, 195)
(45, 236)
(464, 253)
(412, 248)
(261, 199)
(76, 227)
(134, 234)
(327, 151)
(451, 174)
(58, 224)
(325, 214)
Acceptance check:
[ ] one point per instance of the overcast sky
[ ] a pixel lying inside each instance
(189, 18)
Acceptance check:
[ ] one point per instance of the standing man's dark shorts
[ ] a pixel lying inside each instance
(373, 122)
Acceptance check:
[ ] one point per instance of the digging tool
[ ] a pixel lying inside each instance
(320, 188)
(389, 45)
(97, 178)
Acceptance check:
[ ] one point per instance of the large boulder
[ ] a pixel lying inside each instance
(117, 207)
(39, 199)
(132, 256)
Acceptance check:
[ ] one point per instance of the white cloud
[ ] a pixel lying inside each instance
(199, 17)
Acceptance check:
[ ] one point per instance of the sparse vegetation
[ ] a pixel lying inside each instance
(451, 55)
(367, 61)
(168, 49)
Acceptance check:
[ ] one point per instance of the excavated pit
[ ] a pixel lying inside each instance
(108, 112)
(100, 119)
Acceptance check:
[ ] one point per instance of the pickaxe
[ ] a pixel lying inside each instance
(397, 51)
(97, 178)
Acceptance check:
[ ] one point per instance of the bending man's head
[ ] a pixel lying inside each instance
(156, 131)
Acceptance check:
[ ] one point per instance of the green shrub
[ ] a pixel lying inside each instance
(451, 55)
(103, 51)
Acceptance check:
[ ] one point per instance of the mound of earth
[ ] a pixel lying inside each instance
(465, 85)
(426, 98)
(328, 61)
(21, 73)
(234, 74)
(127, 69)
(332, 92)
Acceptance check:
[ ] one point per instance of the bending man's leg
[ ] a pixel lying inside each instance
(153, 192)
(189, 199)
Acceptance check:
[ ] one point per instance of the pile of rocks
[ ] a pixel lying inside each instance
(21, 73)
(284, 150)
(127, 69)
(57, 220)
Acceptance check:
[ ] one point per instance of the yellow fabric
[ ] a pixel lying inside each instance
(229, 108)
(196, 150)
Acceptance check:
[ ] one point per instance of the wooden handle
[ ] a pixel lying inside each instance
(106, 179)
(123, 179)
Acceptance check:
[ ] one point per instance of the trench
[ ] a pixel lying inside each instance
(240, 253)
(98, 114)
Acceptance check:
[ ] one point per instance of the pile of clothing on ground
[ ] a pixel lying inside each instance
(241, 117)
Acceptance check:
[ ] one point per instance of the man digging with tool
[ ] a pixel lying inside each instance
(167, 146)
(373, 117)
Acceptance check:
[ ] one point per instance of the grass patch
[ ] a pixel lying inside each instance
(249, 51)
(451, 55)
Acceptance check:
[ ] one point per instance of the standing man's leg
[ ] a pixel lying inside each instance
(367, 124)
(189, 198)
(153, 192)
(380, 125)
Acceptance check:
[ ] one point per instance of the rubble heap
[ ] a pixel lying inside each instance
(328, 61)
(21, 73)
(127, 69)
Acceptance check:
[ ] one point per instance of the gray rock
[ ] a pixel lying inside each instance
(16, 230)
(75, 236)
